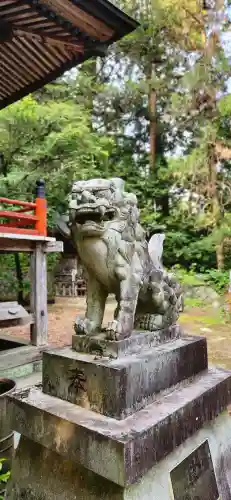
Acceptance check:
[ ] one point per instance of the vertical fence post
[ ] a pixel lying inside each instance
(38, 296)
(41, 208)
(38, 269)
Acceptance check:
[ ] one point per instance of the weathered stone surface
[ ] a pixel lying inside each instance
(104, 226)
(40, 474)
(157, 484)
(99, 345)
(117, 388)
(14, 359)
(121, 451)
(194, 476)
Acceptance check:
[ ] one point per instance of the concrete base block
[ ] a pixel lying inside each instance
(41, 474)
(121, 451)
(159, 482)
(119, 387)
(147, 426)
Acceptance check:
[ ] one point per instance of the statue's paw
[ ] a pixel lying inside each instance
(116, 331)
(84, 326)
(111, 330)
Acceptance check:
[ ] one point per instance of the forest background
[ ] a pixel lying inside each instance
(155, 110)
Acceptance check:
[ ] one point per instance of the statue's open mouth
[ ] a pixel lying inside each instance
(86, 215)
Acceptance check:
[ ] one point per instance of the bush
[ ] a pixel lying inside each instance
(9, 285)
(4, 474)
(188, 278)
(219, 280)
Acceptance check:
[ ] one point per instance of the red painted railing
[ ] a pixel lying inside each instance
(17, 221)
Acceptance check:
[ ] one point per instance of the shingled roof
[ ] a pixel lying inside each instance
(41, 39)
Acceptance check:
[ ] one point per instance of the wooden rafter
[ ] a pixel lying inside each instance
(42, 37)
(79, 18)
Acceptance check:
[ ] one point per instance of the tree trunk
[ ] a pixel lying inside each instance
(165, 206)
(152, 98)
(215, 204)
(90, 69)
(220, 256)
(152, 136)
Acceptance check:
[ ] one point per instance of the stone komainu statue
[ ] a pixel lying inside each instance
(105, 229)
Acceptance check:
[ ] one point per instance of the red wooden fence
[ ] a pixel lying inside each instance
(17, 221)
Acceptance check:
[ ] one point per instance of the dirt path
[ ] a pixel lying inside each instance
(216, 327)
(61, 317)
(197, 321)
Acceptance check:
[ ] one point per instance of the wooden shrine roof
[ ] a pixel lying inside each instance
(41, 39)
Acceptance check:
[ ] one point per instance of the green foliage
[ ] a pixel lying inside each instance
(188, 278)
(9, 286)
(97, 122)
(4, 477)
(193, 302)
(219, 280)
(53, 141)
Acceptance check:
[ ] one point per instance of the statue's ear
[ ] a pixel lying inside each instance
(117, 183)
(62, 225)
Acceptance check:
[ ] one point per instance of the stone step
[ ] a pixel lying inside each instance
(13, 360)
(138, 341)
(121, 451)
(120, 387)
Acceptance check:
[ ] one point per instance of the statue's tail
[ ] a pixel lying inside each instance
(155, 249)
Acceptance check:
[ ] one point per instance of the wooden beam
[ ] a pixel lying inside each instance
(60, 53)
(5, 91)
(48, 51)
(17, 59)
(31, 48)
(53, 246)
(17, 230)
(38, 299)
(2, 95)
(15, 246)
(30, 56)
(6, 2)
(11, 214)
(19, 236)
(11, 9)
(13, 75)
(49, 77)
(80, 19)
(42, 37)
(13, 338)
(8, 84)
(16, 46)
(9, 201)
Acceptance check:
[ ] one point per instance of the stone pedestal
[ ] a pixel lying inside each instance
(135, 419)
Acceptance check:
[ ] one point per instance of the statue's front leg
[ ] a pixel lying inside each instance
(96, 299)
(122, 326)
